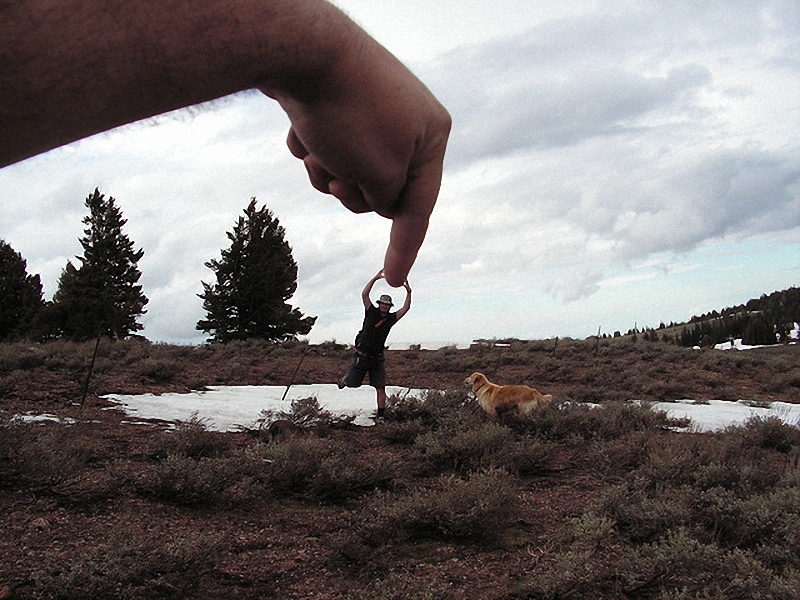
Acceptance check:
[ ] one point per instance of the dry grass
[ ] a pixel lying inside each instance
(572, 501)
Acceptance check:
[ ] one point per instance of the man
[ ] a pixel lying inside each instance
(370, 342)
(369, 132)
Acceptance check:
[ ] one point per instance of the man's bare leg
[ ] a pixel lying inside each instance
(381, 393)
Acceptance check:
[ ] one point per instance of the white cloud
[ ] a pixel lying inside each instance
(600, 151)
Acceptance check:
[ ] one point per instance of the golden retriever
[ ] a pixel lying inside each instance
(492, 397)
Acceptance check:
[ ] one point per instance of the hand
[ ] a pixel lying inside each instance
(369, 132)
(374, 137)
(407, 286)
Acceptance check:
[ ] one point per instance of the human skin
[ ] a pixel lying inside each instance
(369, 132)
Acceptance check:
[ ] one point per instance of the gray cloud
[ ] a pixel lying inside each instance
(584, 149)
(548, 113)
(565, 81)
(626, 135)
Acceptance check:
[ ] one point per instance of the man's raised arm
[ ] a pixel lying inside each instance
(407, 303)
(365, 299)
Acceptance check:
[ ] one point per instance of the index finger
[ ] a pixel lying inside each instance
(410, 223)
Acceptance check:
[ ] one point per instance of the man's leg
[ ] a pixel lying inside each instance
(377, 379)
(381, 392)
(355, 374)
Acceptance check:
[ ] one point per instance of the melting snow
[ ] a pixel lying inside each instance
(226, 408)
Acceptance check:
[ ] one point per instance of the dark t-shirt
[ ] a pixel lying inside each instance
(372, 337)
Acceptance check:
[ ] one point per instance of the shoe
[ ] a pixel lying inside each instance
(341, 384)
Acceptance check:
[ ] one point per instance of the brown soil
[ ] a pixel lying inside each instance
(293, 548)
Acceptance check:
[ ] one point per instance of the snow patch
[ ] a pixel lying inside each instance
(227, 408)
(715, 415)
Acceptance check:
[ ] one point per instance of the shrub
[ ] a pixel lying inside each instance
(642, 517)
(786, 585)
(719, 512)
(770, 526)
(477, 509)
(400, 586)
(567, 574)
(289, 468)
(188, 482)
(307, 412)
(403, 432)
(661, 390)
(433, 409)
(718, 474)
(20, 356)
(791, 475)
(489, 445)
(532, 455)
(304, 412)
(747, 459)
(614, 457)
(611, 420)
(191, 438)
(766, 432)
(574, 566)
(56, 459)
(317, 469)
(160, 371)
(46, 455)
(679, 563)
(589, 393)
(342, 476)
(127, 567)
(744, 472)
(784, 379)
(672, 462)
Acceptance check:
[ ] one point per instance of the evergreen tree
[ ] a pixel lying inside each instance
(255, 278)
(759, 331)
(20, 295)
(101, 296)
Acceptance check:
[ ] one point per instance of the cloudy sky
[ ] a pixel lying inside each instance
(612, 164)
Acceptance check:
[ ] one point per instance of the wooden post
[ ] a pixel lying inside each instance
(91, 368)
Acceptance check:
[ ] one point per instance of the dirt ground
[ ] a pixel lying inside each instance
(52, 532)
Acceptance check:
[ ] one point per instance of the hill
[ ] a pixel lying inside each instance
(770, 319)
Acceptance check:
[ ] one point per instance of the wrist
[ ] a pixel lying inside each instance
(307, 60)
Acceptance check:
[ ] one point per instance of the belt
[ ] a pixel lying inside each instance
(365, 355)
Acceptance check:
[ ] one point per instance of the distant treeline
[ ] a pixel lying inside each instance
(767, 320)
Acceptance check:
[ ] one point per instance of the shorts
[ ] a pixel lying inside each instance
(361, 365)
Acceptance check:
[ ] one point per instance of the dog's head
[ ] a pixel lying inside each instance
(475, 381)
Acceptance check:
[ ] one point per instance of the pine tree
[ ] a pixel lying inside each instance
(20, 295)
(759, 331)
(101, 296)
(255, 278)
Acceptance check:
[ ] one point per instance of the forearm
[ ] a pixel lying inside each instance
(368, 131)
(368, 289)
(70, 68)
(406, 305)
